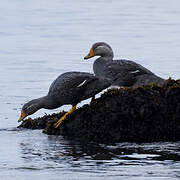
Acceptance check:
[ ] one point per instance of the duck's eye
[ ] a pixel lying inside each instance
(25, 108)
(30, 107)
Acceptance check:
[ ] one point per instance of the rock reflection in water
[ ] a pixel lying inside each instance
(125, 159)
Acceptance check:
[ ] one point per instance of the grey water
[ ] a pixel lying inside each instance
(40, 39)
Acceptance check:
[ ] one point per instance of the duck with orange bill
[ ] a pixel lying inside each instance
(68, 88)
(122, 72)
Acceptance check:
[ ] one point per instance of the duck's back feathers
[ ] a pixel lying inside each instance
(131, 73)
(121, 72)
(72, 87)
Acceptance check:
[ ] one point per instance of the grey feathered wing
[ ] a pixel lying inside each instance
(125, 72)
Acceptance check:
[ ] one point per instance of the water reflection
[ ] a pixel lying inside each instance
(54, 152)
(38, 154)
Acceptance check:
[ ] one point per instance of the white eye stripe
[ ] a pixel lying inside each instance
(82, 83)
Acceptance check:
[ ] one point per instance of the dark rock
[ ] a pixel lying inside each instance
(41, 122)
(142, 114)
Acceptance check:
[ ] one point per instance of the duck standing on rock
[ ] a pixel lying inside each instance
(68, 88)
(121, 72)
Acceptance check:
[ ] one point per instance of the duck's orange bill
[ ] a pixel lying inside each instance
(23, 115)
(90, 54)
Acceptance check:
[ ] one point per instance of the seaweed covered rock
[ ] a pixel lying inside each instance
(41, 122)
(142, 114)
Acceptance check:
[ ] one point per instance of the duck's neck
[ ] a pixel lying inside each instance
(100, 64)
(108, 54)
(44, 102)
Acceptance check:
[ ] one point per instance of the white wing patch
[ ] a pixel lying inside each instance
(133, 72)
(82, 83)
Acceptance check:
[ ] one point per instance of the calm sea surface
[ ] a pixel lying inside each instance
(40, 39)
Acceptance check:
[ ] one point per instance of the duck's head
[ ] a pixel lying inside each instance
(100, 49)
(29, 108)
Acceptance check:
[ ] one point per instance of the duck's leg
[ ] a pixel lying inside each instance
(64, 117)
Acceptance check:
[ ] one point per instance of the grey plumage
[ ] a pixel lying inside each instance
(73, 87)
(68, 88)
(121, 72)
